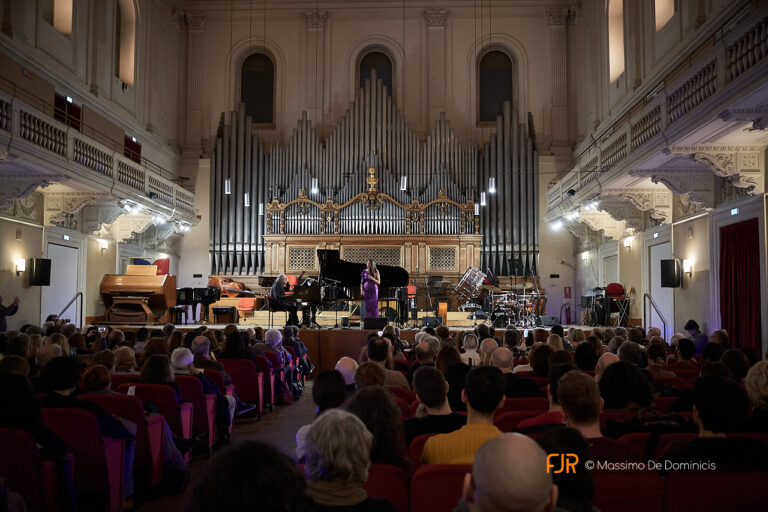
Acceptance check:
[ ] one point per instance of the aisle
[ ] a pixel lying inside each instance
(277, 428)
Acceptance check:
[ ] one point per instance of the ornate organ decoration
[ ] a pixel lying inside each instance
(372, 176)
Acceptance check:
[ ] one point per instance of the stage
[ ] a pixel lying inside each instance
(326, 346)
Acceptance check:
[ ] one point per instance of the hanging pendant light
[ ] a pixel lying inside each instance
(477, 209)
(228, 186)
(261, 209)
(492, 185)
(314, 190)
(247, 200)
(483, 202)
(404, 183)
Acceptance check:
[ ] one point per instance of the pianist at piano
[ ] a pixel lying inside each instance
(279, 301)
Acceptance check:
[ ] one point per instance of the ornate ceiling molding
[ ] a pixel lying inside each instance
(27, 208)
(588, 237)
(601, 221)
(97, 215)
(62, 208)
(18, 185)
(126, 227)
(154, 237)
(621, 209)
(698, 184)
(658, 201)
(742, 166)
(316, 19)
(436, 17)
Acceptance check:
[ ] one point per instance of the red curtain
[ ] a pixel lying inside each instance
(740, 283)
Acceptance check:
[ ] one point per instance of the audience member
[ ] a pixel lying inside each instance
(509, 473)
(347, 367)
(125, 361)
(555, 341)
(338, 447)
(483, 393)
(14, 364)
(328, 392)
(539, 359)
(425, 356)
(685, 351)
(736, 362)
(487, 346)
(712, 352)
(97, 379)
(554, 415)
(698, 337)
(622, 386)
(516, 386)
(249, 476)
(434, 415)
(378, 350)
(585, 357)
(615, 344)
(756, 384)
(376, 407)
(369, 374)
(631, 352)
(575, 488)
(581, 405)
(657, 357)
(470, 356)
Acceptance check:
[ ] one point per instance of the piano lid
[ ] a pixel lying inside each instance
(135, 284)
(348, 272)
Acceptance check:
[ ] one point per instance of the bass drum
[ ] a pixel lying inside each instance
(388, 313)
(468, 285)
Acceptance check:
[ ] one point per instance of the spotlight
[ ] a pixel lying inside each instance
(492, 185)
(557, 225)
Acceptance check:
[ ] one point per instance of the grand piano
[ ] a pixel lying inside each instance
(346, 274)
(138, 296)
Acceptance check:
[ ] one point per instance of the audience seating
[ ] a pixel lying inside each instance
(99, 462)
(215, 376)
(437, 487)
(390, 482)
(415, 450)
(674, 382)
(177, 415)
(507, 422)
(716, 491)
(149, 430)
(628, 491)
(641, 439)
(401, 393)
(277, 368)
(522, 404)
(404, 406)
(615, 415)
(248, 381)
(118, 379)
(33, 479)
(203, 408)
(663, 403)
(296, 364)
(267, 380)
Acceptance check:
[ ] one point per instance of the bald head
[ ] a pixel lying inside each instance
(502, 359)
(347, 367)
(604, 362)
(510, 474)
(424, 352)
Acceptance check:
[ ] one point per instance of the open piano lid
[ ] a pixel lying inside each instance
(348, 272)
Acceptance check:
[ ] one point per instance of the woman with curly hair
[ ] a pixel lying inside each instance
(378, 410)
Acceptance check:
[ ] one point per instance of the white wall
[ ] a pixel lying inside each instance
(29, 246)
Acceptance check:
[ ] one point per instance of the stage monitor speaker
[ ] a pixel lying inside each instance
(430, 321)
(39, 272)
(671, 275)
(549, 321)
(375, 323)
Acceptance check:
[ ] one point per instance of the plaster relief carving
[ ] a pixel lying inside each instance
(316, 19)
(436, 17)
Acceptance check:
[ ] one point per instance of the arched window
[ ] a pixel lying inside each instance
(59, 14)
(125, 41)
(381, 62)
(257, 88)
(496, 85)
(663, 11)
(615, 39)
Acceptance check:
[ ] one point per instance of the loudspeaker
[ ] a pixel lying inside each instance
(549, 321)
(430, 321)
(376, 324)
(39, 272)
(671, 274)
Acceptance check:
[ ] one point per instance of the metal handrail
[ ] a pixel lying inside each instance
(655, 308)
(78, 294)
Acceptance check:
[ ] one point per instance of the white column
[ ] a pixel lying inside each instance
(558, 19)
(196, 26)
(436, 19)
(314, 59)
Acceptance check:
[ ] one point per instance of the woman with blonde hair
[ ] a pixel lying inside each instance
(59, 339)
(555, 341)
(470, 355)
(125, 360)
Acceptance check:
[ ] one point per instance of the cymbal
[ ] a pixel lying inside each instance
(490, 287)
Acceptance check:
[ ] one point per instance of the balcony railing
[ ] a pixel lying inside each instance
(744, 49)
(91, 161)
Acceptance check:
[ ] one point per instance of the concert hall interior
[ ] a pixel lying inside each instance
(375, 254)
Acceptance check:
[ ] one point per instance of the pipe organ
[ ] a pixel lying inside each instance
(370, 177)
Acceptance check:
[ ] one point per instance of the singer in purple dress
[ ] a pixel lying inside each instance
(369, 287)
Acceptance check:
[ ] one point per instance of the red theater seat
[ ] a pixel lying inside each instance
(203, 407)
(437, 487)
(522, 404)
(507, 422)
(404, 406)
(149, 430)
(119, 379)
(416, 448)
(716, 491)
(25, 473)
(215, 376)
(247, 379)
(401, 393)
(390, 482)
(628, 491)
(99, 461)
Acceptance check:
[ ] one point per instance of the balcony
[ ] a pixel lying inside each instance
(727, 68)
(30, 134)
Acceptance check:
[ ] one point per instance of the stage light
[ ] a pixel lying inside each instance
(227, 186)
(163, 256)
(69, 99)
(314, 186)
(133, 139)
(483, 202)
(557, 225)
(655, 236)
(492, 185)
(404, 183)
(21, 265)
(247, 200)
(734, 211)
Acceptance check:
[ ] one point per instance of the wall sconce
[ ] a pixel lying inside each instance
(21, 265)
(628, 242)
(585, 256)
(103, 244)
(688, 267)
(690, 233)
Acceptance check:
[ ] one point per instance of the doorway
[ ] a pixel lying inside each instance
(64, 284)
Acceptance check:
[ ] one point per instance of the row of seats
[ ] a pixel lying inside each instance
(438, 487)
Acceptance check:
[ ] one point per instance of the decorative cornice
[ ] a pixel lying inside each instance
(558, 15)
(623, 210)
(436, 17)
(196, 20)
(601, 221)
(316, 19)
(19, 186)
(62, 208)
(96, 215)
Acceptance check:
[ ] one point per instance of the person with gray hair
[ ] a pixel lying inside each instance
(347, 367)
(337, 448)
(615, 343)
(631, 352)
(470, 355)
(509, 474)
(45, 354)
(621, 332)
(168, 330)
(274, 341)
(68, 330)
(18, 346)
(182, 362)
(516, 387)
(115, 338)
(279, 302)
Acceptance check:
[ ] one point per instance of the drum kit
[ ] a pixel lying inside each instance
(520, 304)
